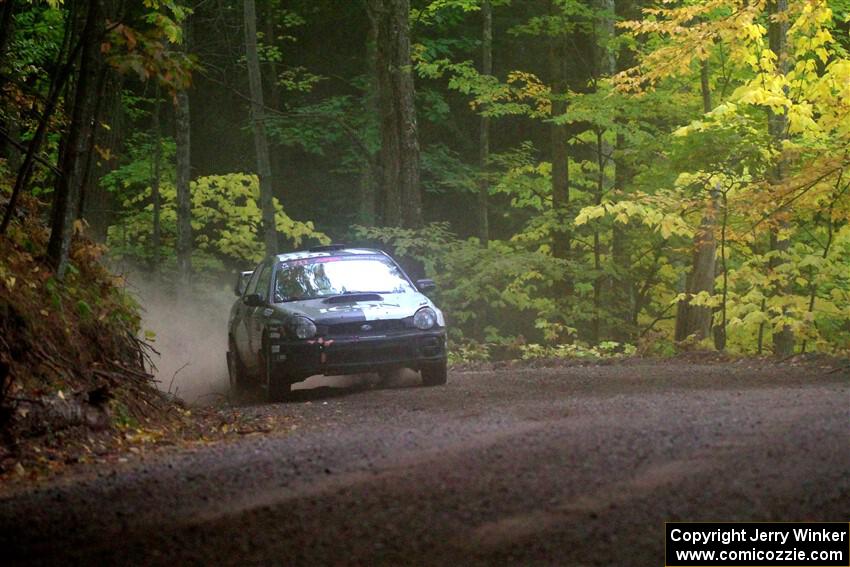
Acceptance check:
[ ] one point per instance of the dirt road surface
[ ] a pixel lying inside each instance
(571, 466)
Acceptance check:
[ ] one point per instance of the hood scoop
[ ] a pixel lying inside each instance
(354, 298)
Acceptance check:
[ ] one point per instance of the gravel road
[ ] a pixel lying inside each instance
(572, 466)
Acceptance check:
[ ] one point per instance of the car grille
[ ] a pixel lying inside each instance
(379, 327)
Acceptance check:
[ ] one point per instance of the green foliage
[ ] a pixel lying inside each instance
(668, 159)
(605, 349)
(443, 13)
(567, 16)
(444, 171)
(465, 352)
(225, 222)
(495, 292)
(729, 151)
(36, 42)
(127, 180)
(226, 218)
(326, 125)
(648, 167)
(150, 46)
(122, 418)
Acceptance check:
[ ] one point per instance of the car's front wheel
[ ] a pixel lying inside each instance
(235, 369)
(434, 374)
(278, 388)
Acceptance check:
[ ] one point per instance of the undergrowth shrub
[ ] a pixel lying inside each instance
(502, 301)
(74, 335)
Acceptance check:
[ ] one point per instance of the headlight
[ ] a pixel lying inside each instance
(303, 328)
(424, 319)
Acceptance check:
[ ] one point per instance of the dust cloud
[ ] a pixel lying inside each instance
(190, 335)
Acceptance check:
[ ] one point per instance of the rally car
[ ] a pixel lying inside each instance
(332, 310)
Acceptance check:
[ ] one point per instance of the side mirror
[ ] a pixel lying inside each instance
(426, 285)
(241, 282)
(254, 300)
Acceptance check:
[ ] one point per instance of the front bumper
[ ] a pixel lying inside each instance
(347, 355)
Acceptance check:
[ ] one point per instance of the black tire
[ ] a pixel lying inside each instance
(435, 374)
(278, 388)
(236, 369)
(279, 391)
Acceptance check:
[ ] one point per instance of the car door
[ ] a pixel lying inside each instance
(242, 319)
(257, 316)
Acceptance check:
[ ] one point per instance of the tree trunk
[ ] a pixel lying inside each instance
(258, 123)
(7, 147)
(783, 339)
(156, 175)
(68, 188)
(484, 139)
(402, 200)
(6, 27)
(692, 319)
(97, 210)
(560, 158)
(370, 173)
(720, 330)
(271, 82)
(605, 65)
(623, 292)
(100, 93)
(830, 234)
(622, 289)
(275, 99)
(597, 243)
(183, 166)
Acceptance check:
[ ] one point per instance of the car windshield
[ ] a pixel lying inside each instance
(310, 278)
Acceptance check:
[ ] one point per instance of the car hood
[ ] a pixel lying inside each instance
(390, 306)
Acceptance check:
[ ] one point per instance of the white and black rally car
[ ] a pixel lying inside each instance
(332, 310)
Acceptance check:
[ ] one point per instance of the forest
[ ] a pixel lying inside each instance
(580, 177)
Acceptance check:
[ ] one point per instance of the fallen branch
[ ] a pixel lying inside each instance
(170, 384)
